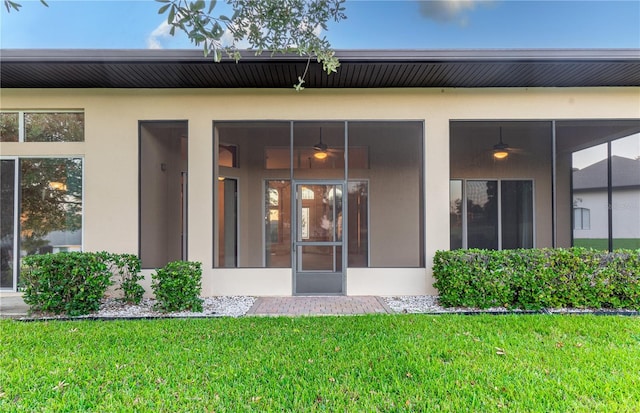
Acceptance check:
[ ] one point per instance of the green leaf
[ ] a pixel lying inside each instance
(199, 5)
(164, 8)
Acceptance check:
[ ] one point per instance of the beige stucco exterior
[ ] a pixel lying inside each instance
(111, 156)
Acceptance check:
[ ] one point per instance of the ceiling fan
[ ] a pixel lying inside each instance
(500, 149)
(321, 150)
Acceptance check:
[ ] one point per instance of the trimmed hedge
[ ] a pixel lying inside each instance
(532, 279)
(66, 282)
(177, 286)
(74, 283)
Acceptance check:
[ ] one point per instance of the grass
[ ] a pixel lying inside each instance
(603, 244)
(539, 363)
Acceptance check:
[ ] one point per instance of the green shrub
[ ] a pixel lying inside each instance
(126, 272)
(75, 282)
(538, 278)
(177, 286)
(66, 282)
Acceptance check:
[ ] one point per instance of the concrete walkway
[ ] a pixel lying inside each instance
(12, 306)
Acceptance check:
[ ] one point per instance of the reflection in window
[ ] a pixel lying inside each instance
(50, 205)
(278, 224)
(482, 226)
(455, 213)
(9, 129)
(307, 193)
(54, 127)
(625, 197)
(590, 182)
(7, 222)
(482, 214)
(516, 206)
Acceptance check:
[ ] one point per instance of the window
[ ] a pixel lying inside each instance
(581, 218)
(9, 127)
(50, 205)
(491, 214)
(67, 126)
(42, 206)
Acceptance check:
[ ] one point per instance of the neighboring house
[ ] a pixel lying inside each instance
(343, 188)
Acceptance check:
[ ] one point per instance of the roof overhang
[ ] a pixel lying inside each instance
(76, 68)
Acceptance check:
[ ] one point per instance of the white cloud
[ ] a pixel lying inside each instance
(227, 40)
(154, 40)
(449, 11)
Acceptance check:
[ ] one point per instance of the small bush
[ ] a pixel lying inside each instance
(177, 286)
(66, 282)
(126, 272)
(538, 278)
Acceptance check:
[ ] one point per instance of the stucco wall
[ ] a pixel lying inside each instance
(110, 151)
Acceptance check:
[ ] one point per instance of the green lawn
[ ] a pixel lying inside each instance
(538, 363)
(603, 244)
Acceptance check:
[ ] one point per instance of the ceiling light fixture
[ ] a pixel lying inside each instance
(320, 155)
(500, 149)
(320, 149)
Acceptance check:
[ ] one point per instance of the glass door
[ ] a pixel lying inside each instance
(318, 258)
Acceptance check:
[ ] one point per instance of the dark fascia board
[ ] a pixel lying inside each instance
(402, 55)
(167, 68)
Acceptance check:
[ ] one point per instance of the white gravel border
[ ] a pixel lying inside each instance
(222, 306)
(420, 304)
(113, 308)
(237, 306)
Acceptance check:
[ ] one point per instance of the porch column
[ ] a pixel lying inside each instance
(436, 189)
(200, 194)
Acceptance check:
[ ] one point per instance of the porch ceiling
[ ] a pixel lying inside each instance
(359, 69)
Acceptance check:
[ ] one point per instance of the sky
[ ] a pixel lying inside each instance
(370, 24)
